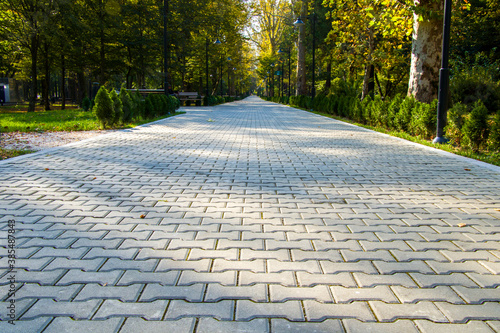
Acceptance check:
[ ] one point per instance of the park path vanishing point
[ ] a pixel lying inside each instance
(249, 217)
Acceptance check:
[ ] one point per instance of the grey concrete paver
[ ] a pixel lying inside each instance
(266, 219)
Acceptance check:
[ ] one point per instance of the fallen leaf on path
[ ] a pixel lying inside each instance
(143, 216)
(461, 225)
(467, 169)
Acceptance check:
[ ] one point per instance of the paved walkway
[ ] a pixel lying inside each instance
(250, 217)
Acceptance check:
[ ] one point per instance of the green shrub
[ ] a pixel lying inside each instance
(495, 133)
(378, 111)
(475, 84)
(357, 112)
(455, 121)
(149, 108)
(423, 119)
(104, 108)
(86, 104)
(475, 128)
(403, 117)
(117, 107)
(127, 105)
(393, 110)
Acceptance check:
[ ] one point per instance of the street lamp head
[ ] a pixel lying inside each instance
(299, 22)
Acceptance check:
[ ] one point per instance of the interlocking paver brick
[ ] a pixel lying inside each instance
(372, 280)
(267, 205)
(115, 308)
(50, 308)
(227, 278)
(328, 325)
(355, 326)
(217, 292)
(97, 291)
(478, 295)
(133, 277)
(453, 279)
(420, 255)
(377, 293)
(426, 326)
(44, 278)
(316, 311)
(256, 266)
(310, 280)
(463, 313)
(421, 310)
(318, 293)
(57, 293)
(79, 276)
(69, 325)
(248, 310)
(283, 278)
(439, 293)
(222, 310)
(210, 325)
(34, 325)
(134, 325)
(338, 267)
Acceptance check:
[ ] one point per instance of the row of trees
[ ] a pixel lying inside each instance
(122, 41)
(390, 47)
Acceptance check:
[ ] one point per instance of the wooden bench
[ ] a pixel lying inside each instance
(189, 96)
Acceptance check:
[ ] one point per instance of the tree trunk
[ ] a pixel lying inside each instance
(426, 52)
(46, 79)
(328, 83)
(368, 81)
(301, 54)
(33, 81)
(63, 83)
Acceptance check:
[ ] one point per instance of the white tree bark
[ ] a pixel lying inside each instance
(426, 51)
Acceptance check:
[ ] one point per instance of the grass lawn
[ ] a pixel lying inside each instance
(17, 119)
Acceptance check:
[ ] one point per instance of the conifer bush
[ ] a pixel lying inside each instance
(403, 117)
(127, 105)
(86, 104)
(495, 133)
(455, 121)
(104, 108)
(475, 128)
(117, 107)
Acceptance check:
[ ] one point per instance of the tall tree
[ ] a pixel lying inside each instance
(426, 50)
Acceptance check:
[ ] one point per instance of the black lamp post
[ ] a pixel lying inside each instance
(218, 42)
(228, 79)
(206, 71)
(444, 76)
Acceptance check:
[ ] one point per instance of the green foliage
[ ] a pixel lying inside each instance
(475, 128)
(127, 105)
(423, 119)
(455, 121)
(117, 107)
(86, 104)
(475, 84)
(149, 108)
(104, 108)
(403, 117)
(495, 133)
